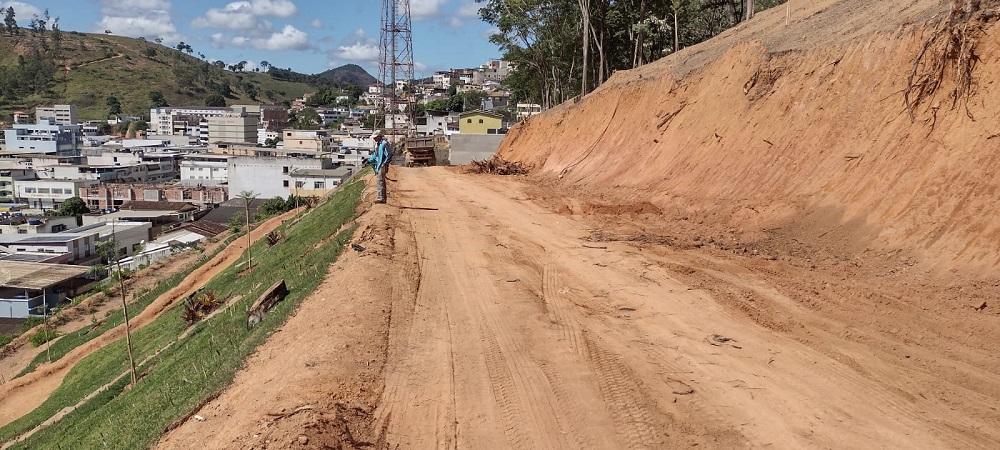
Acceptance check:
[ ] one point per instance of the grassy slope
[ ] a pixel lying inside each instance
(187, 371)
(132, 76)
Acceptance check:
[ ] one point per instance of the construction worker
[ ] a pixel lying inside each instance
(379, 161)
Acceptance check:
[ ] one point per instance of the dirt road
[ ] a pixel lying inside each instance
(477, 317)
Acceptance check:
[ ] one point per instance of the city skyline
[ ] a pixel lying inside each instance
(308, 36)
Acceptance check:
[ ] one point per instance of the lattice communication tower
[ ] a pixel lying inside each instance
(396, 65)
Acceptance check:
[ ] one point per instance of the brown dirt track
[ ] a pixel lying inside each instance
(689, 264)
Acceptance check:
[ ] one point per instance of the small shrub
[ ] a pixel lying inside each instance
(42, 337)
(5, 339)
(32, 322)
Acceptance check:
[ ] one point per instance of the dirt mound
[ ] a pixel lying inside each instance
(777, 133)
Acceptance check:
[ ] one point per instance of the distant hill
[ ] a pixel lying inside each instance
(85, 69)
(348, 74)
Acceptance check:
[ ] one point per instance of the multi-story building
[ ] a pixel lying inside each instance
(44, 137)
(232, 127)
(59, 114)
(49, 193)
(10, 173)
(270, 176)
(306, 142)
(81, 247)
(205, 169)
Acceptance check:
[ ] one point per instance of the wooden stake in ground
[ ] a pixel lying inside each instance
(121, 287)
(248, 196)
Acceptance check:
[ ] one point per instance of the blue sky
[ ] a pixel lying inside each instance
(308, 36)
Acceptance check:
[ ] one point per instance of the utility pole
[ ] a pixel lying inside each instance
(396, 64)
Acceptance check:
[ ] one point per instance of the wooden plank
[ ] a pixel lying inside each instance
(265, 302)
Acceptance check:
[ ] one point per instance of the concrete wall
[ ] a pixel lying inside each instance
(468, 147)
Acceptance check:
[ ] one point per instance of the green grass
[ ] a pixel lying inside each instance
(77, 338)
(183, 374)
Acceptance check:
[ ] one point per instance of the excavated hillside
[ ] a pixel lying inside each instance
(803, 130)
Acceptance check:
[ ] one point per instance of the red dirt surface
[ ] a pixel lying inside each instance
(745, 245)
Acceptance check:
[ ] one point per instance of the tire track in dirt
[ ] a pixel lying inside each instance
(623, 394)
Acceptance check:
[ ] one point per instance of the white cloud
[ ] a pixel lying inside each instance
(359, 48)
(23, 12)
(357, 52)
(274, 8)
(425, 9)
(138, 18)
(122, 8)
(150, 24)
(245, 15)
(455, 22)
(239, 41)
(468, 10)
(289, 38)
(316, 23)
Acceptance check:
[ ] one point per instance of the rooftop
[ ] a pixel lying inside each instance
(37, 276)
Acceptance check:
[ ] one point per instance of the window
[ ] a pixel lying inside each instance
(284, 183)
(480, 120)
(300, 184)
(22, 231)
(319, 185)
(285, 170)
(43, 190)
(470, 121)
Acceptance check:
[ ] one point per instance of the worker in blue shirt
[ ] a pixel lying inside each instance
(379, 161)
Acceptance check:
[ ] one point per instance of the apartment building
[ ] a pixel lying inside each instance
(233, 127)
(205, 169)
(58, 114)
(44, 137)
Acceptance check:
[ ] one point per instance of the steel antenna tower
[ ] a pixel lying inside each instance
(396, 64)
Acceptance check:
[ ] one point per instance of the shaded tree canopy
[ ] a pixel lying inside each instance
(562, 48)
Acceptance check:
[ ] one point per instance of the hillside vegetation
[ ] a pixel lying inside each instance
(57, 67)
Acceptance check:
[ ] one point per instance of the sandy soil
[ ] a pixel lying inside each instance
(24, 394)
(479, 316)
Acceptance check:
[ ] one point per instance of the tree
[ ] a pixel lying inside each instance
(73, 206)
(272, 142)
(114, 106)
(10, 21)
(104, 128)
(215, 100)
(248, 197)
(264, 65)
(157, 100)
(150, 52)
(158, 40)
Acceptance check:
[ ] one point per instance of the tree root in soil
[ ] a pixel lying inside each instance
(950, 53)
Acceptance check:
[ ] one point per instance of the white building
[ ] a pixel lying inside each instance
(270, 177)
(318, 182)
(59, 114)
(50, 193)
(81, 247)
(203, 169)
(129, 236)
(44, 137)
(36, 225)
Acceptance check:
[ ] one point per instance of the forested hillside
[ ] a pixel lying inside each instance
(104, 75)
(546, 38)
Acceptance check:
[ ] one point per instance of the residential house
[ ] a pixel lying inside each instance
(114, 195)
(318, 182)
(480, 122)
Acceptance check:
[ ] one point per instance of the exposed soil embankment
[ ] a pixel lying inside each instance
(816, 135)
